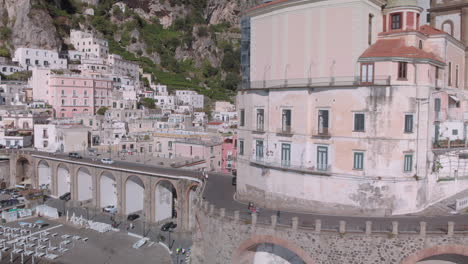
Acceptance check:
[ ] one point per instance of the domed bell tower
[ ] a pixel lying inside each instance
(401, 15)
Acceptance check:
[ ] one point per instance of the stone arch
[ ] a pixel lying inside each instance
(84, 182)
(134, 194)
(107, 189)
(448, 27)
(434, 251)
(63, 179)
(165, 200)
(23, 170)
(245, 254)
(44, 172)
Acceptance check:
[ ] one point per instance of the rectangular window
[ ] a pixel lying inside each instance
(450, 74)
(402, 70)
(456, 76)
(260, 119)
(359, 122)
(437, 73)
(241, 147)
(367, 73)
(408, 166)
(286, 121)
(396, 21)
(358, 161)
(322, 158)
(259, 150)
(371, 18)
(285, 154)
(408, 123)
(242, 117)
(323, 122)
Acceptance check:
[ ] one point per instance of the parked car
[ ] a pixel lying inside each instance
(74, 155)
(168, 226)
(66, 196)
(107, 161)
(132, 217)
(110, 209)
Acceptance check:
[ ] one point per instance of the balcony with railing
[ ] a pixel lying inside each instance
(316, 82)
(286, 165)
(285, 130)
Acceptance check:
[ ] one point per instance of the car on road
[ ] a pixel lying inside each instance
(107, 161)
(65, 196)
(110, 209)
(168, 226)
(132, 217)
(74, 155)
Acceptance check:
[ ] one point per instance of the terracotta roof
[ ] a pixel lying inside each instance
(397, 48)
(266, 4)
(215, 123)
(430, 30)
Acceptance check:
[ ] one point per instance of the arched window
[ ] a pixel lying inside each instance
(447, 26)
(420, 44)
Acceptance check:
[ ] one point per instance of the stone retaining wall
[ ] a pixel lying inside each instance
(223, 239)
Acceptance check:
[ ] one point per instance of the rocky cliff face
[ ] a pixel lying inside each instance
(29, 26)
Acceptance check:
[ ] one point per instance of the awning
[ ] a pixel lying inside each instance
(455, 98)
(27, 181)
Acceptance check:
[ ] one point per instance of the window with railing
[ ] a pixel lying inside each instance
(260, 119)
(286, 121)
(285, 154)
(259, 150)
(322, 158)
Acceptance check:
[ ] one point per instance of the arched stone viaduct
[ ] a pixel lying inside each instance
(157, 194)
(243, 240)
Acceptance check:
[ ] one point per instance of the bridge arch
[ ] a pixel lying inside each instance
(84, 182)
(165, 200)
(435, 251)
(263, 248)
(63, 179)
(23, 170)
(134, 194)
(107, 189)
(44, 172)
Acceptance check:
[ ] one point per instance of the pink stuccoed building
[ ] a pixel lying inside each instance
(229, 154)
(351, 106)
(72, 94)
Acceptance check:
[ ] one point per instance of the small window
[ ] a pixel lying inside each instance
(358, 161)
(367, 73)
(242, 117)
(408, 123)
(359, 122)
(371, 18)
(408, 165)
(454, 132)
(241, 147)
(450, 74)
(396, 21)
(402, 70)
(437, 73)
(420, 44)
(456, 76)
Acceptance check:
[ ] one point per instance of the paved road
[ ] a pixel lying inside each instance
(220, 192)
